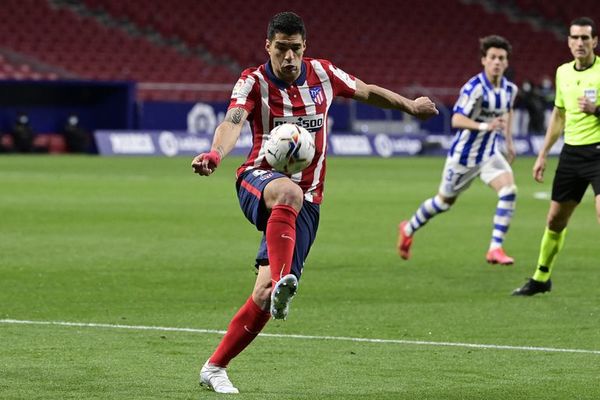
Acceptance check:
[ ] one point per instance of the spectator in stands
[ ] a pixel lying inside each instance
(482, 116)
(76, 138)
(22, 134)
(576, 114)
(531, 99)
(547, 92)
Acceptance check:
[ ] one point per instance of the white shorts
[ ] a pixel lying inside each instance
(456, 177)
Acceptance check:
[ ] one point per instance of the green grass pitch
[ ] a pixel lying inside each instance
(143, 241)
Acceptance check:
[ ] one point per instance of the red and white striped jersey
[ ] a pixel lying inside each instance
(270, 102)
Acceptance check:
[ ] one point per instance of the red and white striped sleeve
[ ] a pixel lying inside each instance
(242, 94)
(343, 84)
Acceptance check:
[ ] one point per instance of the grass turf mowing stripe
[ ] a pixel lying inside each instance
(305, 337)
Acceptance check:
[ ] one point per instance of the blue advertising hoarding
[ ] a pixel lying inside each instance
(181, 143)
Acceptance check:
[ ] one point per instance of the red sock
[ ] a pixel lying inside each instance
(281, 240)
(242, 330)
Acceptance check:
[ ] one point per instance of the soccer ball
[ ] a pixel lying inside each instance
(289, 149)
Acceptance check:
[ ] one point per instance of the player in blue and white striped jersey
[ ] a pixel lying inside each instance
(482, 116)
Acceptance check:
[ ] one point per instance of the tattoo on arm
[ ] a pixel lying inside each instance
(235, 115)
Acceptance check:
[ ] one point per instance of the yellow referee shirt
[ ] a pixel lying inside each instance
(580, 128)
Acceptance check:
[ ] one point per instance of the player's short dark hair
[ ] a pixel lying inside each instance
(485, 43)
(287, 23)
(585, 21)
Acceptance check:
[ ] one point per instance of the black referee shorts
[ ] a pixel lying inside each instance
(578, 166)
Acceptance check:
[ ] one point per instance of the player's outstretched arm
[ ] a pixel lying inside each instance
(460, 121)
(377, 96)
(226, 135)
(555, 129)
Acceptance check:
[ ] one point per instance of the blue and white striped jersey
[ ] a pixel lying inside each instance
(482, 102)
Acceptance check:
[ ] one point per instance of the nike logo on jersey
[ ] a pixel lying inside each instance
(287, 237)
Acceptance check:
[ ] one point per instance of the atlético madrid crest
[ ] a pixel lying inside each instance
(316, 93)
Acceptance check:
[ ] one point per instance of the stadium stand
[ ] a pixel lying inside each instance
(89, 49)
(559, 13)
(12, 69)
(195, 49)
(412, 44)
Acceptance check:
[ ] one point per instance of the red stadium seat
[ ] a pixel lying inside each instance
(429, 42)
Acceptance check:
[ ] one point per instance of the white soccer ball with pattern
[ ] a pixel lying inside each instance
(289, 149)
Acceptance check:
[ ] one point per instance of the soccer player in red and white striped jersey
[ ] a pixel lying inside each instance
(287, 88)
(271, 101)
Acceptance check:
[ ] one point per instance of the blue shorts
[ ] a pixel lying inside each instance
(250, 186)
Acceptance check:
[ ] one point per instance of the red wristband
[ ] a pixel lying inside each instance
(213, 157)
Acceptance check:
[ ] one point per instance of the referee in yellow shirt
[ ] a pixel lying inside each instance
(577, 113)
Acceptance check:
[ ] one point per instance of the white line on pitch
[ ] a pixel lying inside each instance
(306, 337)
